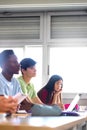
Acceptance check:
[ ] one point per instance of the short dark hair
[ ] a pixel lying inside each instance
(4, 56)
(27, 62)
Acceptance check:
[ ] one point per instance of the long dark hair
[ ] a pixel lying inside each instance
(50, 86)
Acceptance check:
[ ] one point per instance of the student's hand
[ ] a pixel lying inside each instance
(61, 106)
(58, 92)
(8, 104)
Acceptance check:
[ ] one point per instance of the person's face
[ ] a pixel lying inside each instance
(12, 66)
(58, 85)
(30, 72)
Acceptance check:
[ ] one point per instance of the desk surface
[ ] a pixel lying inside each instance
(21, 122)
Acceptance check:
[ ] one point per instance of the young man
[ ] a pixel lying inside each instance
(28, 71)
(8, 84)
(10, 66)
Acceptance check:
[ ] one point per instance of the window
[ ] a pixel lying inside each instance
(71, 64)
(67, 45)
(56, 40)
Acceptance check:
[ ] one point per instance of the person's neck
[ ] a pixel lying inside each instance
(7, 75)
(26, 79)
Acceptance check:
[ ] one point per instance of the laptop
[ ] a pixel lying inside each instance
(69, 111)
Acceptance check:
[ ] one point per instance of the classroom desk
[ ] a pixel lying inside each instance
(19, 122)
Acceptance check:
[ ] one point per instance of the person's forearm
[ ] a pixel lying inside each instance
(36, 100)
(29, 100)
(61, 106)
(54, 101)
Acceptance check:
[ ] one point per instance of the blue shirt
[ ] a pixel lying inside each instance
(9, 88)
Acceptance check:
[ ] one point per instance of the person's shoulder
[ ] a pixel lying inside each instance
(14, 79)
(1, 76)
(19, 78)
(2, 80)
(43, 90)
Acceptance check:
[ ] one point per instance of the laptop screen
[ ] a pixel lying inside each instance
(74, 102)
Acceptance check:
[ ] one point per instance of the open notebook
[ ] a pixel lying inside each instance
(69, 111)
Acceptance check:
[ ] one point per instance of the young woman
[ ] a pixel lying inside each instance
(51, 92)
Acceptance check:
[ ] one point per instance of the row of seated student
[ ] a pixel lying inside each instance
(50, 94)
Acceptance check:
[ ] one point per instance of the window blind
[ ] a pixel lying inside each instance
(27, 27)
(68, 26)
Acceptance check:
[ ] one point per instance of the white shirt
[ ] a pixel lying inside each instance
(9, 88)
